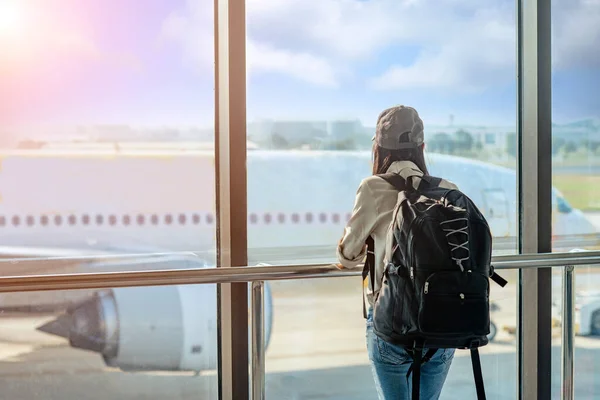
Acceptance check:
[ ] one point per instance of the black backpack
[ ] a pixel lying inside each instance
(435, 288)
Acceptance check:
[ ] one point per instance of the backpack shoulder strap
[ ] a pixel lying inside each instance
(415, 367)
(497, 278)
(396, 180)
(477, 374)
(369, 269)
(399, 180)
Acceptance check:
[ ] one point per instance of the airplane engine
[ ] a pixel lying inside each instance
(167, 328)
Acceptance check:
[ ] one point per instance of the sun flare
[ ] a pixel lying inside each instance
(11, 17)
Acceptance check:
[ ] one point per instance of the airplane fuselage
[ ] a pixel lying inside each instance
(140, 200)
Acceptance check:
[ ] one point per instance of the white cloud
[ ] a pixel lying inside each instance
(479, 54)
(194, 30)
(348, 29)
(463, 45)
(576, 33)
(304, 66)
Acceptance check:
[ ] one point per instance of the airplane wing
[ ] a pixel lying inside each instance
(19, 261)
(24, 260)
(28, 251)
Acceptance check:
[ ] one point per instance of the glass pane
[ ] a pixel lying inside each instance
(317, 83)
(587, 331)
(123, 343)
(318, 349)
(106, 132)
(575, 176)
(576, 124)
(319, 74)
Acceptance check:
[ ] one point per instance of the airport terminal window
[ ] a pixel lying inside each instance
(196, 219)
(310, 127)
(576, 173)
(575, 128)
(315, 88)
(107, 114)
(107, 128)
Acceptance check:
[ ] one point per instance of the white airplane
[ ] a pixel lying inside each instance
(60, 202)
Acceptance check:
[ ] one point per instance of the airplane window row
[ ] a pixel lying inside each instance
(168, 219)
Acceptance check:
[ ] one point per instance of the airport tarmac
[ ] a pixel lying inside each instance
(317, 351)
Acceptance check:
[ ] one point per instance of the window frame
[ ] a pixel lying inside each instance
(231, 195)
(534, 110)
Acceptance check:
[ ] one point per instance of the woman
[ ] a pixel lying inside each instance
(398, 144)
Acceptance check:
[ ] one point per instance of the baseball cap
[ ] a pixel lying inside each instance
(394, 123)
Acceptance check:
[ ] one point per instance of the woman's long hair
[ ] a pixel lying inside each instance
(383, 158)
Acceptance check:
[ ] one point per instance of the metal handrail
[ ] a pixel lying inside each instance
(260, 273)
(236, 274)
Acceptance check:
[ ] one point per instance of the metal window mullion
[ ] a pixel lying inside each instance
(535, 180)
(568, 334)
(230, 166)
(258, 341)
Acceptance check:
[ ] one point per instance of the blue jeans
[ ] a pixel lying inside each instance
(390, 363)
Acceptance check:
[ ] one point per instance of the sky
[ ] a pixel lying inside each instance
(150, 62)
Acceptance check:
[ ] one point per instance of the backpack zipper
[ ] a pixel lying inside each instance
(462, 295)
(415, 224)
